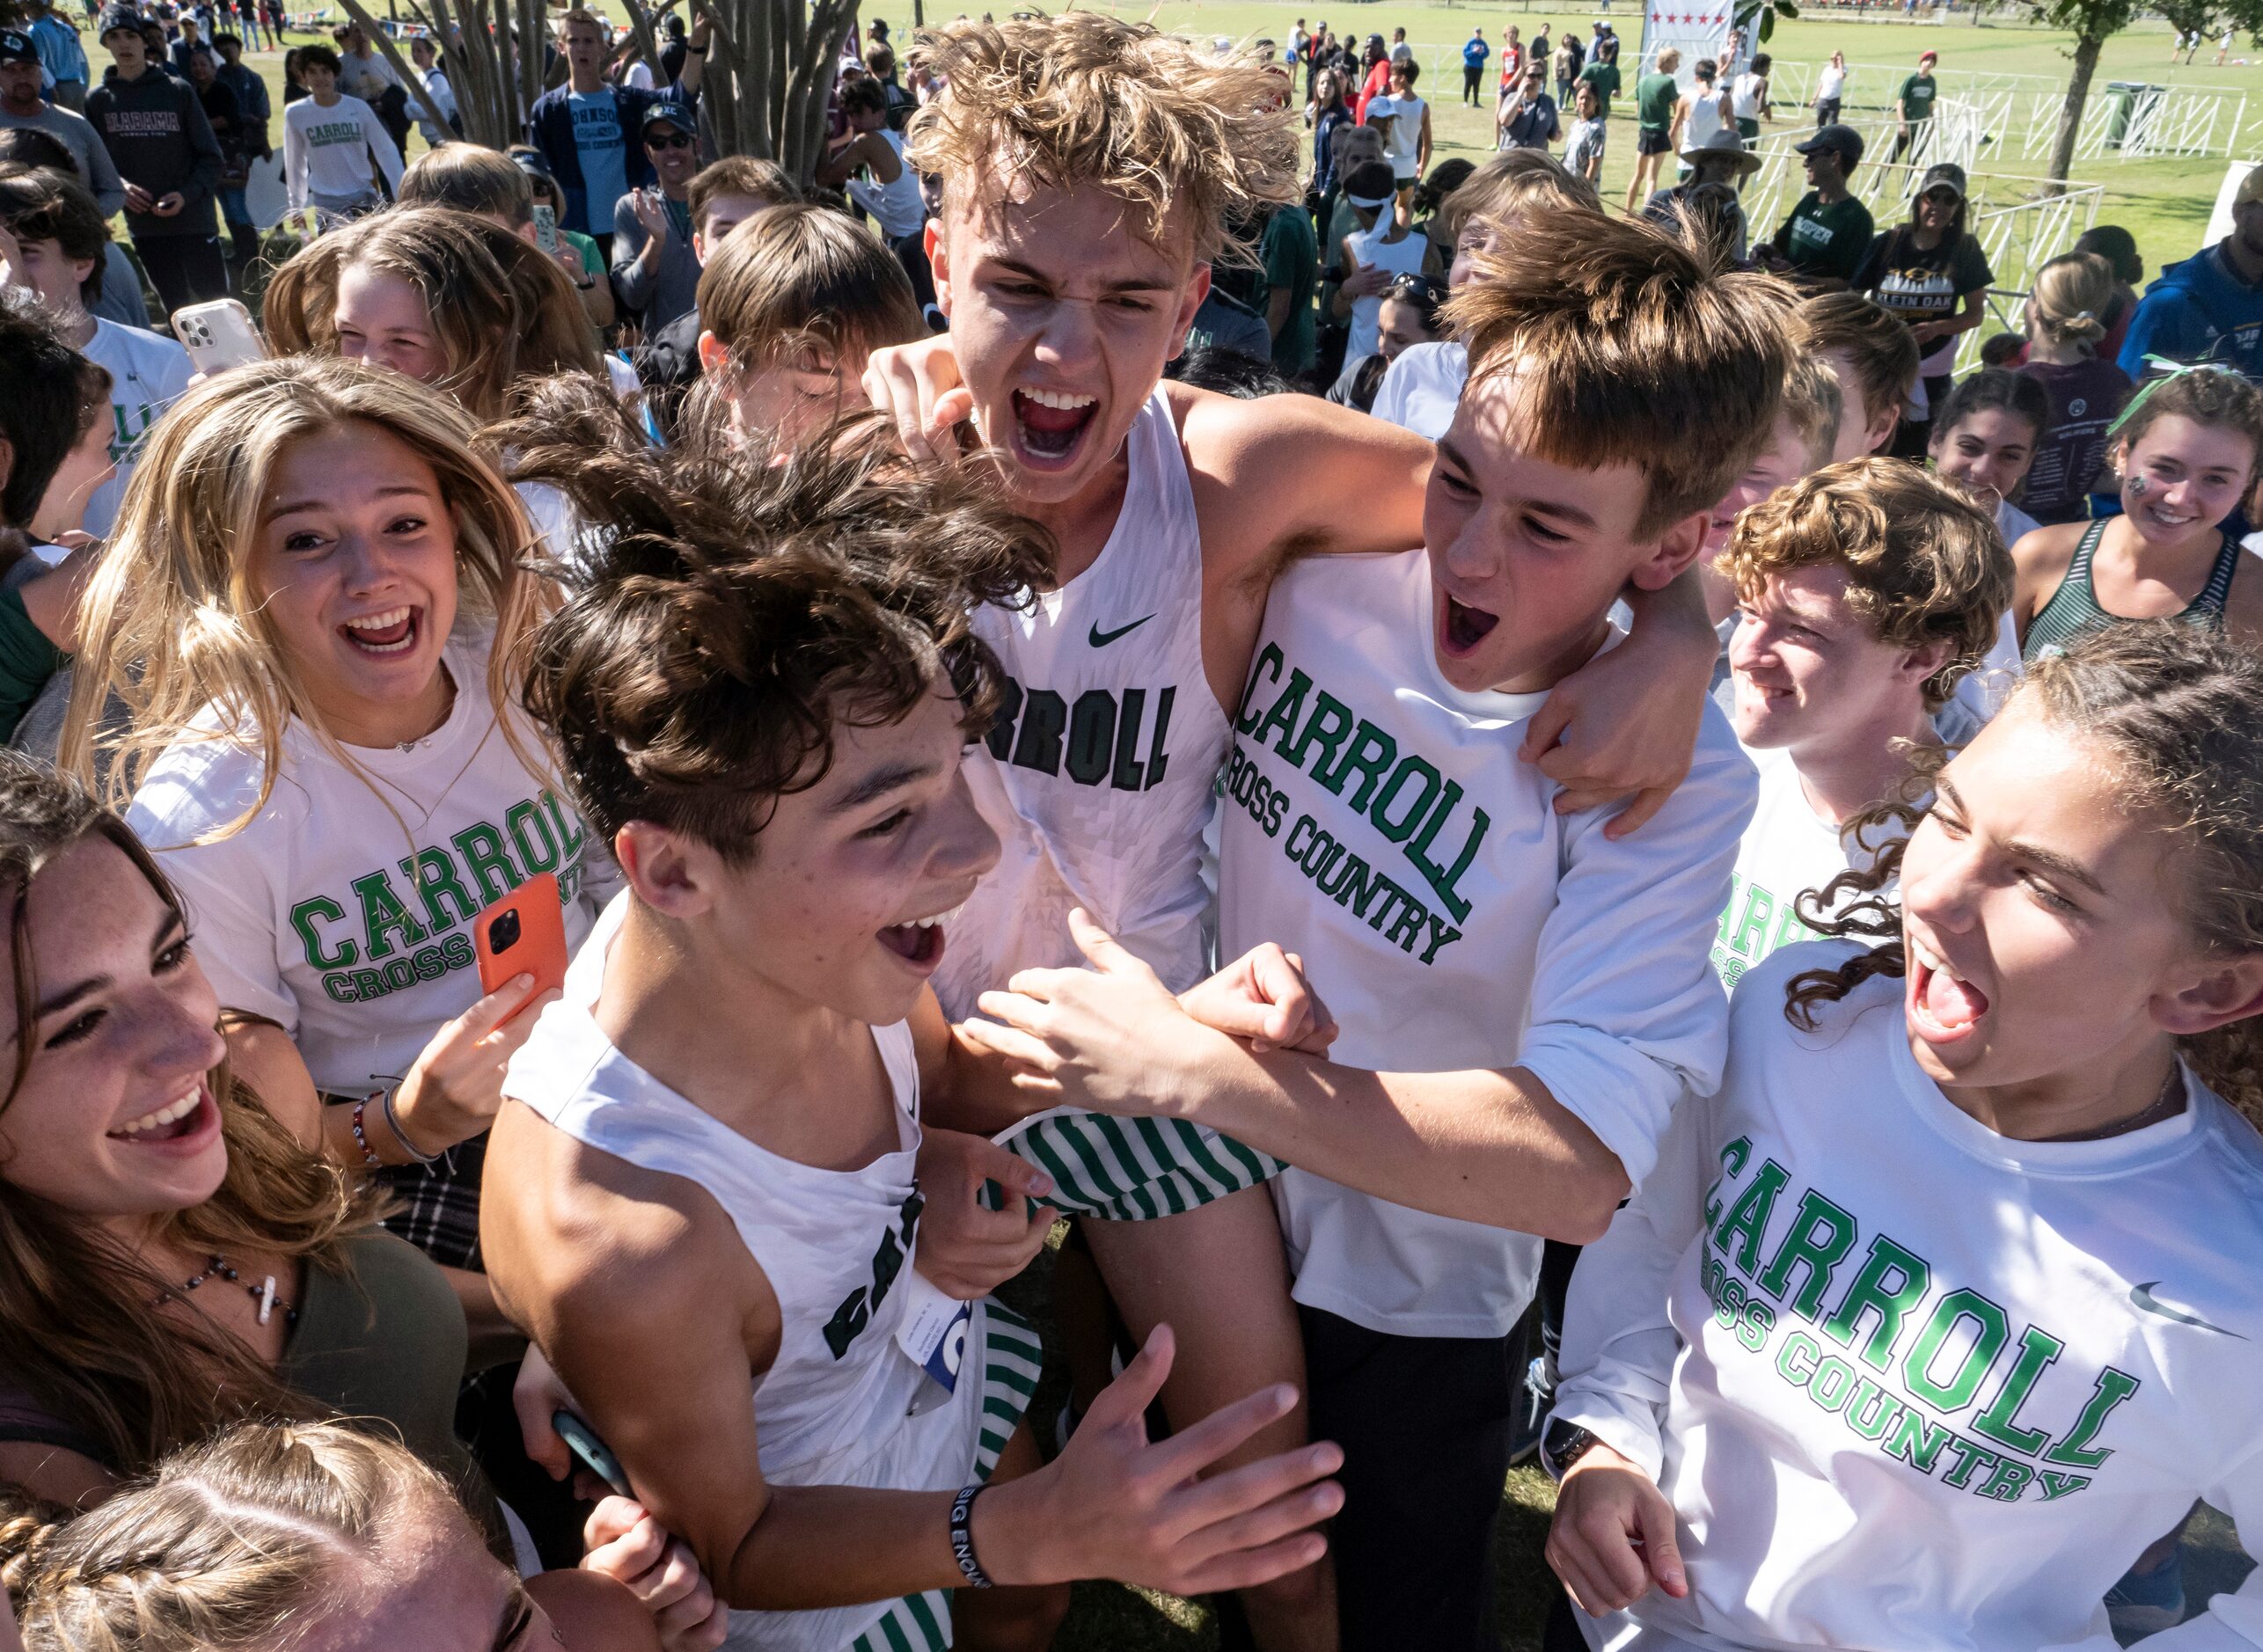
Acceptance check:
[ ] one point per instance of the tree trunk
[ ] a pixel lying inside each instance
(2070, 113)
(410, 80)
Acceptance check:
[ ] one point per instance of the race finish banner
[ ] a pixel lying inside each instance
(1699, 27)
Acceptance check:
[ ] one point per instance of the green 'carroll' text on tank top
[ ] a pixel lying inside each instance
(2073, 610)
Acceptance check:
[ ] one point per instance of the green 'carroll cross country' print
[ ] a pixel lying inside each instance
(1871, 1335)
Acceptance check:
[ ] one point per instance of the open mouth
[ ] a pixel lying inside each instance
(185, 1115)
(919, 942)
(1052, 422)
(1943, 1006)
(395, 630)
(1461, 627)
(2174, 521)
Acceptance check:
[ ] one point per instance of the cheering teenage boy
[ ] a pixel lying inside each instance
(1528, 994)
(1087, 165)
(715, 1197)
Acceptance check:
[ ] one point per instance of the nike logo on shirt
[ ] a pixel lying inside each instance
(2143, 1297)
(1100, 639)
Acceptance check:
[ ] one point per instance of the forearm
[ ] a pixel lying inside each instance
(634, 277)
(814, 1546)
(1490, 1146)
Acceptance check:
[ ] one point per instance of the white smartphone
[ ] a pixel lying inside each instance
(218, 335)
(546, 226)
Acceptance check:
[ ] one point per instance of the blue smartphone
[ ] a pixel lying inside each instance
(595, 1455)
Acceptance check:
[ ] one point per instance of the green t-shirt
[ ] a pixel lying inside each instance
(1820, 240)
(593, 261)
(1291, 255)
(1654, 99)
(1917, 93)
(1604, 77)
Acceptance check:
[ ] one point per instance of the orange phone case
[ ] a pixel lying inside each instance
(523, 934)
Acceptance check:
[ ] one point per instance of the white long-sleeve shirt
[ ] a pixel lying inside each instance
(327, 151)
(1378, 821)
(1908, 1383)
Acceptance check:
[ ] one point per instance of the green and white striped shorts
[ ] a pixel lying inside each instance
(1135, 1169)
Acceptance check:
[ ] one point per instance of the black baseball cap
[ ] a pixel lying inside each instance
(116, 18)
(1948, 175)
(674, 114)
(1843, 141)
(16, 48)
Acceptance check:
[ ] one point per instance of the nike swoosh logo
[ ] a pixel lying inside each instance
(2143, 1296)
(1100, 639)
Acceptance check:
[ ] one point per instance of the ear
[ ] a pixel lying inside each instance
(714, 357)
(1882, 420)
(1675, 550)
(2225, 992)
(80, 270)
(1197, 290)
(938, 263)
(1919, 664)
(667, 871)
(700, 247)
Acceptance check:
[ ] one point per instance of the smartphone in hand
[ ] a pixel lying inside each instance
(523, 934)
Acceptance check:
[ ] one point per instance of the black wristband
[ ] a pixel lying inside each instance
(1562, 1445)
(697, 51)
(962, 1536)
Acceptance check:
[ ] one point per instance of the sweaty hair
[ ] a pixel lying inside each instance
(1085, 97)
(40, 205)
(737, 175)
(2175, 716)
(1924, 564)
(501, 309)
(2070, 299)
(863, 96)
(803, 282)
(741, 610)
(78, 1313)
(1510, 183)
(229, 1545)
(50, 394)
(2207, 396)
(319, 56)
(1991, 390)
(1877, 345)
(1623, 341)
(470, 178)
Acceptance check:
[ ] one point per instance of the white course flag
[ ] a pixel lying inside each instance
(1699, 27)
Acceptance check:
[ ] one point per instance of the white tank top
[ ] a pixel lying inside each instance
(897, 208)
(832, 1243)
(1704, 119)
(1097, 775)
(1747, 92)
(1400, 257)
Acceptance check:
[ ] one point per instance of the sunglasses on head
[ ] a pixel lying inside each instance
(673, 141)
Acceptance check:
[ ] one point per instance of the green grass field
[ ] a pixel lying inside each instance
(2165, 203)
